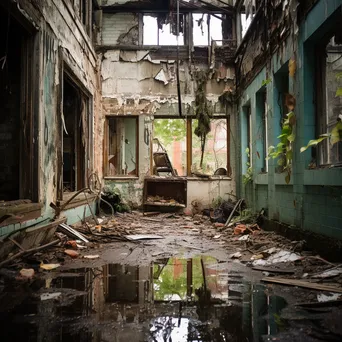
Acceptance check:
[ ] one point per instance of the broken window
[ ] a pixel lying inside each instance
(122, 147)
(215, 153)
(206, 28)
(261, 130)
(75, 136)
(331, 99)
(83, 9)
(162, 30)
(17, 163)
(170, 138)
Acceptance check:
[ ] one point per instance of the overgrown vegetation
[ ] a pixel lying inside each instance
(335, 135)
(203, 109)
(248, 176)
(114, 197)
(284, 150)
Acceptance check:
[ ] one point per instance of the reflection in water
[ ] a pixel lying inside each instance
(173, 299)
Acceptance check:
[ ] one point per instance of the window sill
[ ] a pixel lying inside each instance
(279, 179)
(261, 178)
(121, 178)
(12, 212)
(323, 176)
(79, 200)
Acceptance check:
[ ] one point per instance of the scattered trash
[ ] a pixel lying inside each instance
(27, 273)
(81, 247)
(47, 296)
(243, 238)
(273, 270)
(71, 253)
(301, 283)
(217, 236)
(218, 225)
(143, 237)
(236, 255)
(49, 267)
(64, 228)
(322, 298)
(98, 228)
(96, 256)
(71, 243)
(328, 273)
(281, 256)
(243, 228)
(257, 257)
(240, 229)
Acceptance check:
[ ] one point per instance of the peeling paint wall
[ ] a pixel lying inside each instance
(289, 34)
(141, 81)
(59, 36)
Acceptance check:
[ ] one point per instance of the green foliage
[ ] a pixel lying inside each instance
(248, 176)
(166, 130)
(265, 82)
(339, 91)
(203, 109)
(335, 136)
(216, 203)
(284, 149)
(113, 196)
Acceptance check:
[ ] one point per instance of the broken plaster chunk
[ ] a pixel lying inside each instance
(236, 255)
(161, 76)
(27, 273)
(47, 296)
(71, 253)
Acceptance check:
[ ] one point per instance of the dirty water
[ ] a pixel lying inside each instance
(171, 299)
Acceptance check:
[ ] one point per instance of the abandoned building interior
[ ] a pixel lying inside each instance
(176, 141)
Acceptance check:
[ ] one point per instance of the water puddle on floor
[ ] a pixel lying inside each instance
(171, 300)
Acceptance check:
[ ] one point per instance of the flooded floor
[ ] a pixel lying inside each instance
(172, 299)
(183, 287)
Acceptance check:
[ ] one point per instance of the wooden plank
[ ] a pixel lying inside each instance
(273, 269)
(301, 283)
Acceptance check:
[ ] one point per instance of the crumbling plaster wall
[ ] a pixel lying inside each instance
(60, 36)
(140, 82)
(312, 199)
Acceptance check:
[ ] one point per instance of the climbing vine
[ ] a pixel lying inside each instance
(248, 176)
(284, 150)
(203, 109)
(335, 135)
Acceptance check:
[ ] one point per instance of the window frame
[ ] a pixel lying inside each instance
(320, 106)
(189, 144)
(66, 72)
(106, 147)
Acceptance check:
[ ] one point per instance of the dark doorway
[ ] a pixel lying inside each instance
(74, 137)
(13, 118)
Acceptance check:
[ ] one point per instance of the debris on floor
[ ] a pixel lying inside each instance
(228, 260)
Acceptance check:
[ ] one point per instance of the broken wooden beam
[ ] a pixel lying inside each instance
(71, 232)
(301, 283)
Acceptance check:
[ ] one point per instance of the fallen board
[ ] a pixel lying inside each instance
(71, 232)
(300, 283)
(143, 237)
(273, 269)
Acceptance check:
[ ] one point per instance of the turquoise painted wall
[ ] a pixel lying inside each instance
(313, 199)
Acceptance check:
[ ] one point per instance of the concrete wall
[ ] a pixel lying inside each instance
(58, 36)
(313, 199)
(141, 81)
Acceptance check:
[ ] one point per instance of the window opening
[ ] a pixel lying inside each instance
(215, 153)
(122, 146)
(204, 26)
(171, 135)
(15, 132)
(75, 136)
(332, 103)
(245, 23)
(163, 35)
(261, 132)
